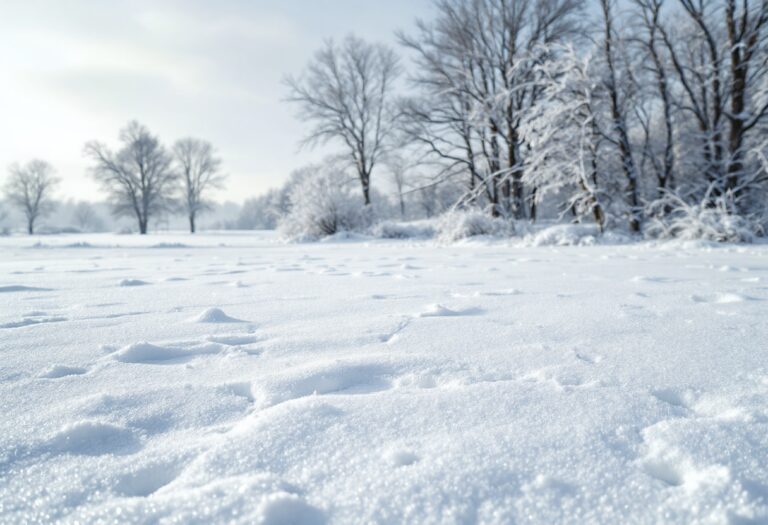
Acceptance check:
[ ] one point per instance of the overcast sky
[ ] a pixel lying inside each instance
(78, 70)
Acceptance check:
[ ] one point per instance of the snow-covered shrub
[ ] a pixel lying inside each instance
(565, 235)
(323, 203)
(707, 221)
(404, 230)
(456, 225)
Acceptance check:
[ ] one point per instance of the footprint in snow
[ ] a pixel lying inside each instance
(676, 397)
(400, 457)
(133, 282)
(588, 357)
(145, 480)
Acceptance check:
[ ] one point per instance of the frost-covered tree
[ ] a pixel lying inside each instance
(200, 172)
(618, 92)
(474, 77)
(345, 92)
(564, 137)
(716, 54)
(321, 204)
(139, 177)
(30, 188)
(85, 217)
(398, 168)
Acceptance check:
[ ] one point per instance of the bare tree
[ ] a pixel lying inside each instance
(345, 92)
(139, 177)
(85, 217)
(29, 188)
(398, 169)
(475, 68)
(650, 11)
(564, 135)
(199, 167)
(619, 136)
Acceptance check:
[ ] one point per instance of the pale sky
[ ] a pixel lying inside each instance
(78, 70)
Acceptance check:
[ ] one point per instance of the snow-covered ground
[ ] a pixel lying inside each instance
(232, 378)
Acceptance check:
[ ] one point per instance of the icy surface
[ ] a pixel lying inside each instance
(249, 381)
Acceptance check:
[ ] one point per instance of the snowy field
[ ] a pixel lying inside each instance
(233, 378)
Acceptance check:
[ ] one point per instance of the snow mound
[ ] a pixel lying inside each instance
(215, 315)
(438, 310)
(324, 379)
(57, 371)
(21, 288)
(133, 282)
(148, 353)
(92, 438)
(283, 508)
(404, 230)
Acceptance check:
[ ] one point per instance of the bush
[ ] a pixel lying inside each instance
(404, 230)
(455, 225)
(565, 235)
(714, 221)
(322, 203)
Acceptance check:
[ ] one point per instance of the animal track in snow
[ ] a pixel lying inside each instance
(676, 468)
(392, 335)
(562, 379)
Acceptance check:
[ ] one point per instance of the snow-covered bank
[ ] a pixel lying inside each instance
(247, 380)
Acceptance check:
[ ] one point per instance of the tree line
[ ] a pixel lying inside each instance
(639, 114)
(142, 179)
(646, 115)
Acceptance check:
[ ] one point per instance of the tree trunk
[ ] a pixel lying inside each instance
(31, 226)
(365, 181)
(739, 69)
(191, 223)
(619, 122)
(534, 204)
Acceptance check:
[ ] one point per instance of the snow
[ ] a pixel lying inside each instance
(383, 381)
